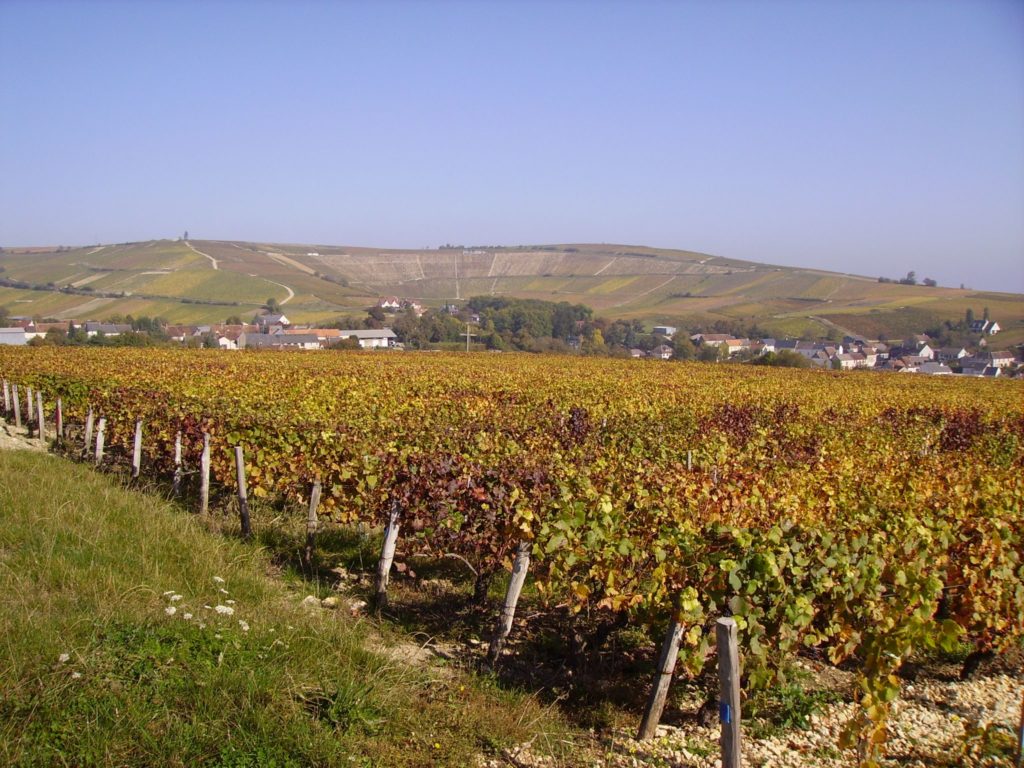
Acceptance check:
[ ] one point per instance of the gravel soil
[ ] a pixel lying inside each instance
(14, 439)
(936, 723)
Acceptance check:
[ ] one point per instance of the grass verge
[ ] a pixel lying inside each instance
(132, 636)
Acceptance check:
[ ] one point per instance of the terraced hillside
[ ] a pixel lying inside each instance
(316, 282)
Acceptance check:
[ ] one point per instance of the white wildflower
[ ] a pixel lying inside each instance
(229, 602)
(218, 579)
(168, 593)
(243, 625)
(224, 610)
(170, 610)
(175, 598)
(75, 675)
(202, 625)
(186, 616)
(208, 607)
(64, 658)
(223, 591)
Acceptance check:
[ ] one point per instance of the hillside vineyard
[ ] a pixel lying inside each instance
(867, 516)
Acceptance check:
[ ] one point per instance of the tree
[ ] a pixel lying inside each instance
(233, 320)
(929, 282)
(984, 314)
(711, 353)
(969, 317)
(186, 235)
(910, 279)
(784, 358)
(683, 348)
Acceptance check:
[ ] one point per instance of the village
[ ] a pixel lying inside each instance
(273, 330)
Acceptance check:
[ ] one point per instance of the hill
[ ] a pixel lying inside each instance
(206, 280)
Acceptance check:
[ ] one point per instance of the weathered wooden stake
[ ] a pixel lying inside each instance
(204, 476)
(729, 691)
(7, 397)
(508, 611)
(88, 432)
(1020, 736)
(17, 408)
(137, 450)
(177, 464)
(40, 417)
(311, 522)
(689, 461)
(387, 554)
(243, 498)
(100, 429)
(662, 680)
(60, 420)
(30, 403)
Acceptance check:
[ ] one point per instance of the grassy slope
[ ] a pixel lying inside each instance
(655, 285)
(84, 566)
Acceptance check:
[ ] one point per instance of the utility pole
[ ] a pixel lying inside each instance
(468, 335)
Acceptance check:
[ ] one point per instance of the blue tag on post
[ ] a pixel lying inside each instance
(724, 712)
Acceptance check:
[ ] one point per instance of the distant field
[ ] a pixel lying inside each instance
(319, 282)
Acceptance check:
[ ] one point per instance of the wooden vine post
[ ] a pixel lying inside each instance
(137, 451)
(243, 498)
(60, 420)
(7, 397)
(508, 611)
(311, 524)
(17, 408)
(729, 691)
(100, 429)
(88, 431)
(40, 418)
(662, 680)
(689, 461)
(387, 555)
(30, 409)
(177, 464)
(1020, 735)
(204, 476)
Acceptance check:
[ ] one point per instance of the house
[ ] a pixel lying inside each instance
(662, 351)
(710, 339)
(13, 337)
(820, 358)
(390, 303)
(845, 362)
(1001, 359)
(275, 321)
(383, 338)
(947, 354)
(107, 329)
(637, 353)
(925, 351)
(417, 308)
(665, 330)
(278, 341)
(987, 327)
(767, 345)
(935, 369)
(850, 360)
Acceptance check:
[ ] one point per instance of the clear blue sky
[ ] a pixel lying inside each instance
(871, 137)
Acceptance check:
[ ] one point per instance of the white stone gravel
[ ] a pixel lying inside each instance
(927, 729)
